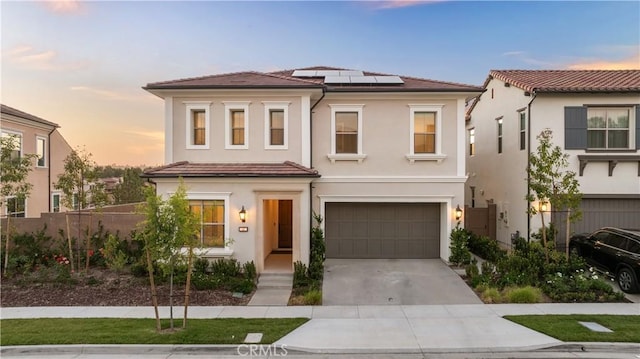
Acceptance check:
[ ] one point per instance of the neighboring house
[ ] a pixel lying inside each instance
(41, 137)
(594, 117)
(380, 158)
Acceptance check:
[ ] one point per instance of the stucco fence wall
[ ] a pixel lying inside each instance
(115, 219)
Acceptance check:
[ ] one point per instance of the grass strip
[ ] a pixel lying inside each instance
(626, 328)
(141, 331)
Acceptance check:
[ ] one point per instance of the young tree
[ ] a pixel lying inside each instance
(131, 189)
(13, 177)
(550, 181)
(169, 227)
(81, 190)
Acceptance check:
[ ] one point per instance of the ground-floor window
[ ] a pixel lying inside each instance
(211, 217)
(16, 207)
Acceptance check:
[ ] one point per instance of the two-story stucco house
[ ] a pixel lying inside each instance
(380, 158)
(594, 117)
(35, 135)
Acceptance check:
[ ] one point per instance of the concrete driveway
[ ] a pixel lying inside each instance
(393, 281)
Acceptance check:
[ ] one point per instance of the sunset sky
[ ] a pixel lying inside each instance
(82, 64)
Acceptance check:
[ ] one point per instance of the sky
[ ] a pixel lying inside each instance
(82, 64)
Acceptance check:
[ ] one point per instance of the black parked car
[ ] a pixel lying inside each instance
(612, 250)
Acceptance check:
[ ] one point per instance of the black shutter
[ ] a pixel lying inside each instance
(638, 127)
(575, 128)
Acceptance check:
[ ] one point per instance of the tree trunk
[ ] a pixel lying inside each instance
(566, 244)
(6, 250)
(187, 288)
(89, 234)
(544, 238)
(171, 297)
(79, 236)
(66, 216)
(154, 293)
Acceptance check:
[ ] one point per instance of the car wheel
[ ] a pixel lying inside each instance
(627, 280)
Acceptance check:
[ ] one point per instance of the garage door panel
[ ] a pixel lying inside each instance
(383, 230)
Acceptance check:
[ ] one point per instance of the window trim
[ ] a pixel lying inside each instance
(53, 195)
(197, 106)
(215, 196)
(499, 134)
(523, 130)
(359, 156)
(631, 138)
(437, 155)
(44, 150)
(6, 207)
(234, 106)
(268, 107)
(15, 133)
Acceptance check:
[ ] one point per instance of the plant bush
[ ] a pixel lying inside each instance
(226, 267)
(526, 294)
(240, 285)
(249, 271)
(313, 297)
(317, 251)
(300, 277)
(204, 281)
(460, 254)
(200, 265)
(485, 248)
(491, 295)
(579, 286)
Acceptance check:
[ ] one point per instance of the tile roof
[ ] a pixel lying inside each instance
(189, 169)
(570, 80)
(14, 112)
(284, 79)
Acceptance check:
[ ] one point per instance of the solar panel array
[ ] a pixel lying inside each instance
(348, 77)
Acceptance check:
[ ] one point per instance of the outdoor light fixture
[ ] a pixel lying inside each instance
(458, 213)
(543, 206)
(243, 215)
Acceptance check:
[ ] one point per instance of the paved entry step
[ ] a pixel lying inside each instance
(273, 289)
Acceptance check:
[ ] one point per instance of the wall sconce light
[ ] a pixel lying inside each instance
(458, 213)
(243, 215)
(543, 206)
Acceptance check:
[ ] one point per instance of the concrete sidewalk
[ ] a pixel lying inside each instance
(375, 329)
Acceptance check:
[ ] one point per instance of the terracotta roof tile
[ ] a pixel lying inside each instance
(284, 79)
(570, 80)
(189, 169)
(14, 112)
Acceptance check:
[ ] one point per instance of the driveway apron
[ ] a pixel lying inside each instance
(393, 282)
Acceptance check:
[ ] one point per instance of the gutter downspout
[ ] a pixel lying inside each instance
(529, 163)
(311, 153)
(49, 165)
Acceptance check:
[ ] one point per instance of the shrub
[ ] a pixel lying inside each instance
(114, 256)
(579, 286)
(200, 265)
(460, 253)
(300, 277)
(249, 271)
(226, 267)
(526, 294)
(240, 285)
(317, 251)
(491, 295)
(139, 270)
(313, 297)
(486, 248)
(204, 281)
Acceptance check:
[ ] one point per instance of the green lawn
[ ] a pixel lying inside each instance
(141, 331)
(626, 328)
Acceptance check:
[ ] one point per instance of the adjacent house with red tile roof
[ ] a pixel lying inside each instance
(380, 157)
(595, 118)
(41, 137)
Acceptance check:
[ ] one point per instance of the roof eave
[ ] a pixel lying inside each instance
(206, 175)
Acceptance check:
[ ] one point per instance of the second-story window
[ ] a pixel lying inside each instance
(346, 132)
(276, 127)
(41, 151)
(276, 122)
(237, 125)
(608, 128)
(523, 130)
(16, 138)
(424, 133)
(198, 122)
(472, 141)
(499, 129)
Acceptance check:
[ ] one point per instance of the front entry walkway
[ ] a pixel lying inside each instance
(393, 282)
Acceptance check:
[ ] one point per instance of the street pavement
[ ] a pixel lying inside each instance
(351, 331)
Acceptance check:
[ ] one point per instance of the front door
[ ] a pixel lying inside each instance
(285, 223)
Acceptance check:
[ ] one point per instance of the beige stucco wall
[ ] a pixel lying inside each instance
(40, 177)
(251, 193)
(502, 177)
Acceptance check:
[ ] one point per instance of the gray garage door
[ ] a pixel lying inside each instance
(382, 230)
(602, 212)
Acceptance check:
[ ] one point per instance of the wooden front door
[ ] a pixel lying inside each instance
(285, 223)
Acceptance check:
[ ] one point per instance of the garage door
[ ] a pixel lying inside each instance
(382, 230)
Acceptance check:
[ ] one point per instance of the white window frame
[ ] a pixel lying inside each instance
(16, 133)
(631, 129)
(231, 106)
(359, 156)
(6, 207)
(53, 195)
(471, 135)
(44, 150)
(268, 107)
(438, 156)
(499, 135)
(198, 106)
(215, 196)
(522, 131)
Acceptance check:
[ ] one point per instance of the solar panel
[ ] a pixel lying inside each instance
(363, 79)
(337, 80)
(351, 73)
(325, 73)
(304, 73)
(389, 80)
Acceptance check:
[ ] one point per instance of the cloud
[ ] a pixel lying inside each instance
(513, 53)
(632, 63)
(64, 6)
(27, 57)
(523, 56)
(155, 135)
(113, 95)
